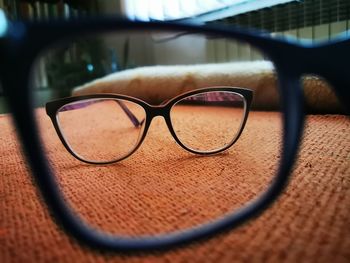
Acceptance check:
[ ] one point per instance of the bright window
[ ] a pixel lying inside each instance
(146, 10)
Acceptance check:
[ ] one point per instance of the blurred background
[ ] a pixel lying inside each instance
(313, 19)
(309, 19)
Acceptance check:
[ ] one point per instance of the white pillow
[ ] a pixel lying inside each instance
(155, 84)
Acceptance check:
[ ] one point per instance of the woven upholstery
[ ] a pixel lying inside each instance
(309, 223)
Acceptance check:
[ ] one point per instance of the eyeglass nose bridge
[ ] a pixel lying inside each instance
(158, 110)
(162, 111)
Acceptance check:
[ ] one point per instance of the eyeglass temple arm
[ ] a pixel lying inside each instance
(126, 110)
(131, 116)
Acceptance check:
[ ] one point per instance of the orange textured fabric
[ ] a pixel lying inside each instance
(309, 223)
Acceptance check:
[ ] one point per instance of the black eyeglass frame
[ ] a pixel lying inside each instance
(24, 41)
(53, 107)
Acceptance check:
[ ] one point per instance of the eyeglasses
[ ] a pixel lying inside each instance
(206, 110)
(125, 122)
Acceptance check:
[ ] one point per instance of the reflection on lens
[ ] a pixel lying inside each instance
(101, 130)
(210, 121)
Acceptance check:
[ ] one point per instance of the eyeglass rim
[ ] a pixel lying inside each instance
(53, 107)
(63, 138)
(247, 97)
(291, 60)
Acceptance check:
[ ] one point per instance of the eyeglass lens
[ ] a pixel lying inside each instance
(198, 125)
(99, 130)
